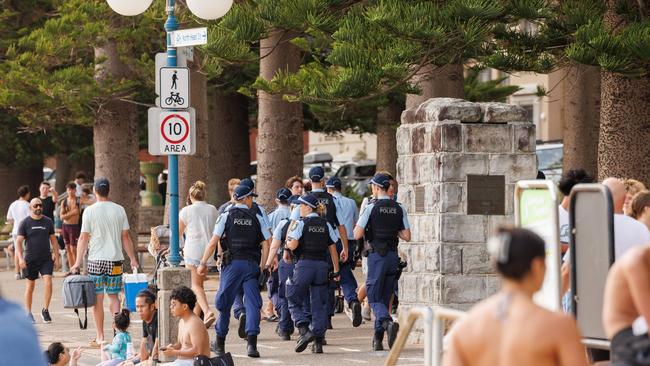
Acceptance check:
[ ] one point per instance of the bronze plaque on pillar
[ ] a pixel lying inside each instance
(486, 195)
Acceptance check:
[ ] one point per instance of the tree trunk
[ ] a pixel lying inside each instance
(115, 138)
(388, 118)
(445, 81)
(195, 167)
(623, 147)
(230, 155)
(280, 124)
(581, 118)
(63, 172)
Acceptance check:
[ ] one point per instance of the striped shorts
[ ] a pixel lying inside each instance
(107, 276)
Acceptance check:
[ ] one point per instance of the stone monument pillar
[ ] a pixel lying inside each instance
(457, 167)
(168, 279)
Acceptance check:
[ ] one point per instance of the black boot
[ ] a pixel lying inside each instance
(392, 328)
(355, 307)
(377, 341)
(306, 337)
(252, 346)
(317, 347)
(219, 346)
(241, 331)
(329, 323)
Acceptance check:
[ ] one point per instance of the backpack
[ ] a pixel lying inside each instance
(225, 360)
(79, 292)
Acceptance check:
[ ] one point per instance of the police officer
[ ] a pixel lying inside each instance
(349, 213)
(311, 239)
(237, 237)
(285, 267)
(383, 222)
(280, 214)
(239, 309)
(335, 219)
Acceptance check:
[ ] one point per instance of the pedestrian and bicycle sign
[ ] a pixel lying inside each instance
(172, 132)
(174, 87)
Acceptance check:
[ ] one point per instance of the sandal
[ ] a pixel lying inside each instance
(94, 344)
(272, 318)
(209, 320)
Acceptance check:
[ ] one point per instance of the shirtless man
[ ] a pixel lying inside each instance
(70, 214)
(509, 329)
(627, 298)
(193, 339)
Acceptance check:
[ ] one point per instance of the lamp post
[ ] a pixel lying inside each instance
(205, 9)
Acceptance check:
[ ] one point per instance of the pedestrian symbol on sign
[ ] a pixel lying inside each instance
(174, 79)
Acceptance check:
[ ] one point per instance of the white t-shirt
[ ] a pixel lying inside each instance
(628, 233)
(18, 210)
(563, 220)
(105, 221)
(199, 219)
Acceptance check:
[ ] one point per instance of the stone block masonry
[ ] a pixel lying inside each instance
(441, 142)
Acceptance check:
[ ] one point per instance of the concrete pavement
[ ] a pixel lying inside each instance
(348, 345)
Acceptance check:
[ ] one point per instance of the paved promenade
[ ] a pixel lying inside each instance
(348, 345)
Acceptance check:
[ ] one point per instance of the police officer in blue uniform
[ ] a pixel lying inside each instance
(347, 207)
(241, 241)
(383, 223)
(336, 220)
(280, 214)
(239, 309)
(284, 264)
(311, 239)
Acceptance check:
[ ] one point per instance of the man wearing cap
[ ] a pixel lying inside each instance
(237, 237)
(238, 307)
(333, 216)
(350, 214)
(282, 212)
(383, 222)
(104, 232)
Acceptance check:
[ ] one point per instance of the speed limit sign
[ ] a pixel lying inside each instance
(175, 133)
(171, 133)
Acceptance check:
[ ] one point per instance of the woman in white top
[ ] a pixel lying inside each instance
(197, 223)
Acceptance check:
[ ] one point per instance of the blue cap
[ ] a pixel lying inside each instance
(243, 191)
(102, 183)
(381, 180)
(334, 182)
(283, 194)
(316, 174)
(294, 200)
(248, 183)
(309, 200)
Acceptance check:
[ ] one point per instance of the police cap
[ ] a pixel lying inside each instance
(316, 174)
(381, 180)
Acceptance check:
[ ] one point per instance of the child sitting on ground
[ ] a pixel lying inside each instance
(116, 352)
(59, 355)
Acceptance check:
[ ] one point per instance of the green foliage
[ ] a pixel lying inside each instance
(486, 91)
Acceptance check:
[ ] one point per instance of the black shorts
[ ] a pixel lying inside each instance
(43, 266)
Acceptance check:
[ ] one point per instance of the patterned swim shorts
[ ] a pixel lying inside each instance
(107, 276)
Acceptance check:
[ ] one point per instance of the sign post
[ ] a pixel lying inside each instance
(536, 209)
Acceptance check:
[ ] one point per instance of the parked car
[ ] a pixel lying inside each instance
(357, 174)
(549, 159)
(317, 158)
(49, 175)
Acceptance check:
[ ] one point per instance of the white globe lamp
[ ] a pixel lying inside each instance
(209, 9)
(129, 7)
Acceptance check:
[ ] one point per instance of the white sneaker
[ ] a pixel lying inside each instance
(366, 313)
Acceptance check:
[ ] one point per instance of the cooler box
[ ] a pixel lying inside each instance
(133, 284)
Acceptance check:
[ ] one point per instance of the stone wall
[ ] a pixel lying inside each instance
(150, 217)
(440, 143)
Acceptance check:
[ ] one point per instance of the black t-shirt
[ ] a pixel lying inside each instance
(37, 237)
(150, 331)
(48, 206)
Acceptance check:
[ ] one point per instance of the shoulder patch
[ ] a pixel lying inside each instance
(293, 225)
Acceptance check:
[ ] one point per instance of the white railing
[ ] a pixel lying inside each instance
(434, 332)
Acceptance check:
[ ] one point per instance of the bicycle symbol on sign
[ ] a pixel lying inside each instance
(174, 98)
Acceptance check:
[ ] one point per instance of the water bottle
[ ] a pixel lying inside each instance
(129, 350)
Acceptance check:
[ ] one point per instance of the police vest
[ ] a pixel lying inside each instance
(386, 221)
(242, 234)
(315, 239)
(328, 201)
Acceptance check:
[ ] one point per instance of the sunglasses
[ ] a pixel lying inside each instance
(37, 205)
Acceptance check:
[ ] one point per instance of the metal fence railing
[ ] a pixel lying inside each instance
(434, 332)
